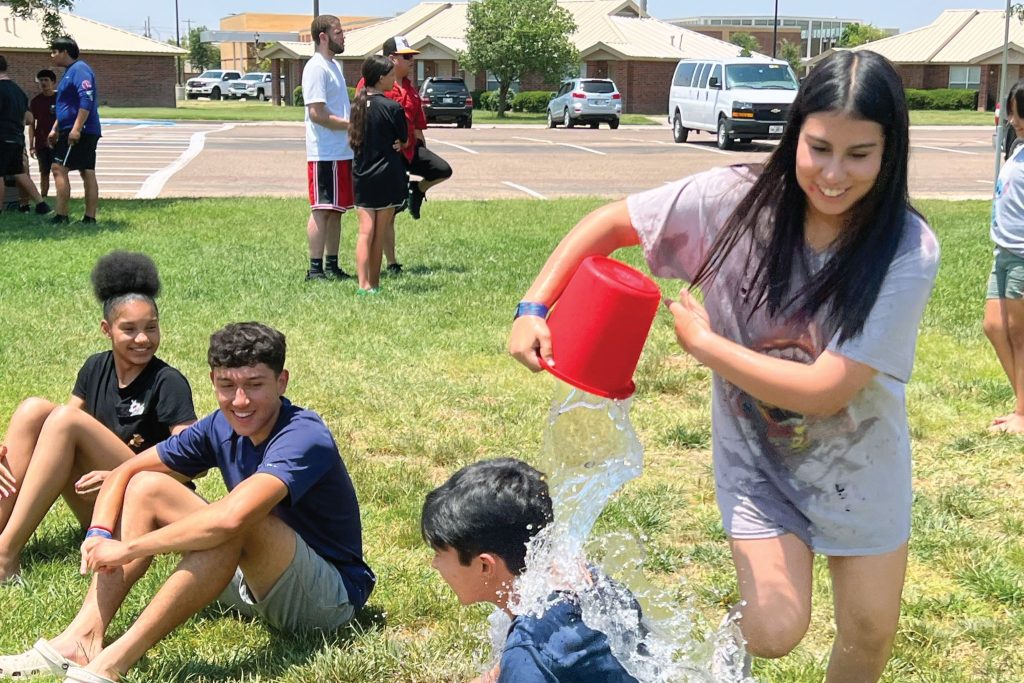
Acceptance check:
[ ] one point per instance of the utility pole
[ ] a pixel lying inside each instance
(177, 40)
(316, 8)
(775, 31)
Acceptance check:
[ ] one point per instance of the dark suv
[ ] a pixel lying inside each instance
(447, 100)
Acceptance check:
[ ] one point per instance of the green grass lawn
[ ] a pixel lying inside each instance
(416, 382)
(952, 118)
(239, 110)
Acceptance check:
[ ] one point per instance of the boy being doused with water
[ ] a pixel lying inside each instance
(479, 523)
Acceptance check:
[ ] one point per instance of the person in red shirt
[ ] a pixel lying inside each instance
(420, 161)
(44, 113)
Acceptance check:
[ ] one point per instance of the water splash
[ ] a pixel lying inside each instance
(590, 451)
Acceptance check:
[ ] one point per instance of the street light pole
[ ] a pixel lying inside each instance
(775, 30)
(1003, 113)
(177, 39)
(316, 8)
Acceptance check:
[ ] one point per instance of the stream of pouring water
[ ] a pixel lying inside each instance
(590, 450)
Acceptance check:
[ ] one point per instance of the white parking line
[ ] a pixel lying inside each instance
(527, 190)
(452, 144)
(985, 182)
(155, 183)
(546, 142)
(581, 147)
(945, 149)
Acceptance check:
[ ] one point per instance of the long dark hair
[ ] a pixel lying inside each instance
(375, 68)
(1016, 96)
(864, 85)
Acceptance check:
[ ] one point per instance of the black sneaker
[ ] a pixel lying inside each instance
(24, 208)
(88, 219)
(337, 274)
(395, 268)
(315, 275)
(58, 219)
(416, 199)
(42, 208)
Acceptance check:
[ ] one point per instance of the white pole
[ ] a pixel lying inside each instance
(999, 96)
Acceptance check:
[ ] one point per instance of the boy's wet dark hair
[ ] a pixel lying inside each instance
(492, 506)
(123, 276)
(65, 44)
(241, 345)
(46, 73)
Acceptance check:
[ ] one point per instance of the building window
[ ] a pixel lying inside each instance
(965, 77)
(492, 83)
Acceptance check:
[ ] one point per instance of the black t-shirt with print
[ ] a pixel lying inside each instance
(142, 413)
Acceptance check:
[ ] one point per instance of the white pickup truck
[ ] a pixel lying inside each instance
(212, 83)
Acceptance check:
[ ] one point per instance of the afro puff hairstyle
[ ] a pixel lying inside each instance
(121, 276)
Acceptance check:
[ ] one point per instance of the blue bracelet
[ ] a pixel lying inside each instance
(102, 533)
(531, 308)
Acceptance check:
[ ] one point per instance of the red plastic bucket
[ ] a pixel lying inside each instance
(599, 326)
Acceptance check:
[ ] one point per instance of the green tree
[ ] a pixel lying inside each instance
(511, 38)
(201, 55)
(746, 41)
(47, 12)
(858, 34)
(792, 53)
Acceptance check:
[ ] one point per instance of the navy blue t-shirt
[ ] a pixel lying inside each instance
(321, 505)
(559, 648)
(77, 90)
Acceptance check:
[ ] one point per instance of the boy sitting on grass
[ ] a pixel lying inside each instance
(479, 523)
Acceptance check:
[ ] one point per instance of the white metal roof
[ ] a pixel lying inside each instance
(91, 36)
(612, 26)
(955, 37)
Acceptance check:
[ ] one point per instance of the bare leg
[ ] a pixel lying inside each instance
(44, 181)
(332, 237)
(774, 576)
(92, 193)
(384, 221)
(62, 188)
(323, 232)
(867, 606)
(22, 434)
(71, 443)
(364, 243)
(263, 552)
(27, 187)
(1010, 314)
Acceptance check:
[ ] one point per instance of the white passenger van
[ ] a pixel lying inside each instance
(738, 99)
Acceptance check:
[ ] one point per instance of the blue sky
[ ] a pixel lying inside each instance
(904, 15)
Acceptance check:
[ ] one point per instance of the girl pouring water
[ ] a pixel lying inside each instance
(815, 271)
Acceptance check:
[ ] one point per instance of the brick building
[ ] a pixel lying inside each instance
(960, 49)
(615, 38)
(131, 70)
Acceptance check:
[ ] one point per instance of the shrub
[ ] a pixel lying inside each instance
(297, 97)
(488, 100)
(476, 95)
(942, 98)
(531, 101)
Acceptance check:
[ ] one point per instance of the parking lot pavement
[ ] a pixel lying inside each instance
(522, 161)
(134, 158)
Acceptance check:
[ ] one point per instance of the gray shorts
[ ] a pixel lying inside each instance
(1007, 278)
(310, 595)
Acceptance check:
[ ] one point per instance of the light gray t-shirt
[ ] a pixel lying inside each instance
(840, 483)
(323, 81)
(1008, 208)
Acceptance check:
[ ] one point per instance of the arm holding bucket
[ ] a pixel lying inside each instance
(599, 233)
(821, 388)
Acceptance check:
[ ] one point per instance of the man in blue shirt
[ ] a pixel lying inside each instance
(479, 523)
(288, 530)
(76, 131)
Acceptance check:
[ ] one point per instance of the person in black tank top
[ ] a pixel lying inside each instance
(124, 401)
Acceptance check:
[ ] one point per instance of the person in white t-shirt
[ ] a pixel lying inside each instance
(328, 154)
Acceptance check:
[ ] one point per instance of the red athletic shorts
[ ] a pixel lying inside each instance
(330, 185)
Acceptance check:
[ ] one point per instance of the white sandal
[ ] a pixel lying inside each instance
(40, 660)
(79, 675)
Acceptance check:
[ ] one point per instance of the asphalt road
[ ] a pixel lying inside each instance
(150, 159)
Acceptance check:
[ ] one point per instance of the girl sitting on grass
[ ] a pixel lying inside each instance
(376, 133)
(815, 271)
(124, 401)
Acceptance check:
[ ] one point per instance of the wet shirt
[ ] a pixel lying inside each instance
(321, 505)
(13, 105)
(1008, 207)
(76, 91)
(558, 647)
(840, 483)
(44, 111)
(142, 413)
(324, 82)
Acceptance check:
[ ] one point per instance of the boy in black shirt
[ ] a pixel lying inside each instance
(13, 119)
